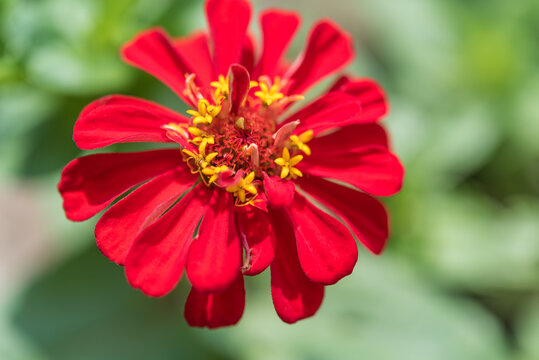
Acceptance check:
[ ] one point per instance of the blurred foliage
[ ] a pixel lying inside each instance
(126, 325)
(360, 317)
(460, 278)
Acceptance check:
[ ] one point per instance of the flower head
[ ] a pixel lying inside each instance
(236, 166)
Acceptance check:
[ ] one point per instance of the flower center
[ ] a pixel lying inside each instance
(234, 150)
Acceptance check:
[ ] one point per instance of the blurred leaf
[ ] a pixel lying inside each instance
(528, 331)
(49, 146)
(490, 61)
(86, 310)
(13, 346)
(8, 69)
(21, 108)
(59, 68)
(524, 127)
(458, 144)
(467, 238)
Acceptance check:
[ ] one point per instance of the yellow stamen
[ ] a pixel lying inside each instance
(196, 131)
(287, 164)
(213, 172)
(221, 87)
(243, 187)
(199, 161)
(200, 136)
(206, 112)
(202, 149)
(301, 140)
(268, 92)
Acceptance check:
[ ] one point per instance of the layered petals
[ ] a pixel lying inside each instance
(327, 251)
(255, 228)
(366, 216)
(156, 261)
(238, 85)
(213, 310)
(196, 52)
(119, 119)
(372, 169)
(90, 183)
(350, 137)
(153, 52)
(370, 94)
(278, 29)
(228, 21)
(328, 50)
(209, 207)
(329, 111)
(123, 222)
(280, 192)
(248, 53)
(215, 256)
(295, 297)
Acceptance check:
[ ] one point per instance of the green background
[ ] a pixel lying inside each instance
(460, 277)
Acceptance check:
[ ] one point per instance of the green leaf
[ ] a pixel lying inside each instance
(528, 331)
(85, 310)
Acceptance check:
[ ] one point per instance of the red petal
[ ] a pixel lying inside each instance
(365, 215)
(372, 169)
(228, 21)
(256, 229)
(120, 225)
(278, 28)
(348, 138)
(329, 111)
(283, 67)
(239, 85)
(370, 94)
(214, 310)
(153, 52)
(119, 119)
(283, 133)
(280, 192)
(248, 54)
(215, 256)
(196, 52)
(295, 297)
(157, 258)
(342, 80)
(328, 50)
(90, 183)
(326, 249)
(260, 202)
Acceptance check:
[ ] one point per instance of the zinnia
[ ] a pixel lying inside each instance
(233, 197)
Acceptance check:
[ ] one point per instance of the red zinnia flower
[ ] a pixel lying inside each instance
(230, 201)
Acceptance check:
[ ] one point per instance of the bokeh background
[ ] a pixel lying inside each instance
(460, 277)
